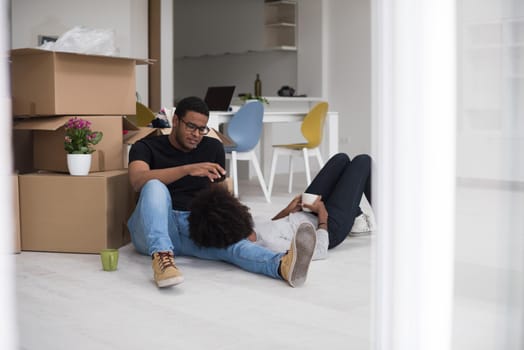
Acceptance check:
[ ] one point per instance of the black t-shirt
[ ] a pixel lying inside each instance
(159, 153)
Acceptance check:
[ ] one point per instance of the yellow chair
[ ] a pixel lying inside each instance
(144, 115)
(312, 129)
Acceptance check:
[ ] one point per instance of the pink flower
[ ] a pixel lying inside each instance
(79, 138)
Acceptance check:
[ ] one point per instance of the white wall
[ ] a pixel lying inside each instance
(312, 40)
(349, 71)
(220, 43)
(338, 70)
(128, 18)
(333, 59)
(491, 96)
(194, 75)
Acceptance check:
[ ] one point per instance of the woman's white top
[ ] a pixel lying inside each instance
(276, 235)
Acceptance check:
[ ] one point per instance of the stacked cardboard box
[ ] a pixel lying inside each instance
(59, 212)
(16, 216)
(81, 214)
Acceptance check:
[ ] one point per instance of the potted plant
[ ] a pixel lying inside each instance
(247, 97)
(78, 142)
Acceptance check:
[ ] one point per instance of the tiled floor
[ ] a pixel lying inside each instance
(65, 301)
(489, 266)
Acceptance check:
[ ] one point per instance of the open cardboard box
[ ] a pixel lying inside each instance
(47, 83)
(74, 214)
(16, 216)
(138, 134)
(48, 141)
(226, 141)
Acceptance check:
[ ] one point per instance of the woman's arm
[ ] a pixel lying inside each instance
(319, 208)
(294, 206)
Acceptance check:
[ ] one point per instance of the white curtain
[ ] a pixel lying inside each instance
(414, 176)
(449, 148)
(489, 255)
(7, 286)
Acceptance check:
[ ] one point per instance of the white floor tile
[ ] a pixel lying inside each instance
(67, 301)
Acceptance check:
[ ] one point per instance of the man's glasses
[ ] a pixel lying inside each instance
(202, 130)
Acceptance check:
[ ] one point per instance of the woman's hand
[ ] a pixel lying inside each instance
(295, 205)
(319, 208)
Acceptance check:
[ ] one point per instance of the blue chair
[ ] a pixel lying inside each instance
(244, 129)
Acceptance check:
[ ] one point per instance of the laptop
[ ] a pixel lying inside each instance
(218, 98)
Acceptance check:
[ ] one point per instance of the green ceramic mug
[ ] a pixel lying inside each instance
(109, 259)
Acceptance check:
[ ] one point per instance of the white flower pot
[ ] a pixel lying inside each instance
(79, 164)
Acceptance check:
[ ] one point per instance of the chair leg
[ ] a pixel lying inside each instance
(260, 176)
(234, 172)
(319, 158)
(306, 163)
(290, 185)
(273, 170)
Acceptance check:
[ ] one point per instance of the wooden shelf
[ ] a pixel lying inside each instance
(245, 52)
(280, 24)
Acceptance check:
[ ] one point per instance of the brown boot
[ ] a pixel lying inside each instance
(165, 272)
(295, 264)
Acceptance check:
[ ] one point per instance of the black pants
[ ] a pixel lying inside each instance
(341, 183)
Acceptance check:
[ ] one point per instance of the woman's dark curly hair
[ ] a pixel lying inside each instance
(217, 219)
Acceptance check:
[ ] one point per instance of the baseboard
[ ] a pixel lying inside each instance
(491, 183)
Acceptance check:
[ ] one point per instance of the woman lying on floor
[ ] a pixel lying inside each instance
(218, 219)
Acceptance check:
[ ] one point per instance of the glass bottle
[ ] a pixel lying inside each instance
(258, 86)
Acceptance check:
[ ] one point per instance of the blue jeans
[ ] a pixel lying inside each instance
(341, 182)
(155, 226)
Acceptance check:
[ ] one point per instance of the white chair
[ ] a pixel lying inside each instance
(312, 129)
(245, 129)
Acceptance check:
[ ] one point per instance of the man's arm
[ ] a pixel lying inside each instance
(140, 172)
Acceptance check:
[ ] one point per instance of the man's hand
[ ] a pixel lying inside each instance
(140, 173)
(213, 171)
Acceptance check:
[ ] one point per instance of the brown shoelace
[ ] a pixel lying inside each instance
(166, 259)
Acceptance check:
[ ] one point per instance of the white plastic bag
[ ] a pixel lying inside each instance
(85, 40)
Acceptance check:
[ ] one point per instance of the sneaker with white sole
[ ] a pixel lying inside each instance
(295, 264)
(360, 225)
(166, 273)
(367, 210)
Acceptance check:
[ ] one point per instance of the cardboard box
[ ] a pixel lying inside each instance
(16, 215)
(22, 151)
(75, 214)
(63, 83)
(133, 136)
(48, 141)
(221, 137)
